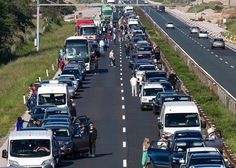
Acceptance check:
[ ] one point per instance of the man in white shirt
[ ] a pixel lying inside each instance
(111, 56)
(133, 83)
(101, 44)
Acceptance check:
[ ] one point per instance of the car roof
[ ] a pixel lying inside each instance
(177, 95)
(154, 85)
(64, 79)
(44, 106)
(203, 149)
(210, 155)
(57, 108)
(186, 131)
(57, 126)
(55, 119)
(189, 139)
(33, 129)
(150, 71)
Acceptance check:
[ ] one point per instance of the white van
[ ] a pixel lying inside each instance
(22, 149)
(148, 93)
(179, 116)
(54, 94)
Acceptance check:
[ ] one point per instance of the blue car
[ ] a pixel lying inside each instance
(165, 154)
(38, 113)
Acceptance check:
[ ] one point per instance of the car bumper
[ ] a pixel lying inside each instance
(147, 105)
(66, 151)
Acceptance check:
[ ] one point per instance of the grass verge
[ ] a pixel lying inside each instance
(215, 110)
(17, 75)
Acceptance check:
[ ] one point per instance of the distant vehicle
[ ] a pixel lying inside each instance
(87, 28)
(156, 73)
(194, 29)
(74, 72)
(161, 8)
(142, 68)
(131, 60)
(170, 25)
(202, 34)
(107, 13)
(70, 85)
(71, 77)
(56, 111)
(111, 1)
(38, 113)
(218, 43)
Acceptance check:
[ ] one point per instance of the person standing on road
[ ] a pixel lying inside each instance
(141, 82)
(36, 84)
(108, 38)
(73, 110)
(145, 157)
(96, 66)
(111, 55)
(133, 83)
(19, 123)
(101, 44)
(92, 139)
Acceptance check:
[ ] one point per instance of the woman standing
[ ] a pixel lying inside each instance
(145, 157)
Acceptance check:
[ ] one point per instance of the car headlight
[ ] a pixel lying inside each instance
(46, 162)
(13, 163)
(144, 99)
(175, 158)
(167, 134)
(67, 142)
(71, 90)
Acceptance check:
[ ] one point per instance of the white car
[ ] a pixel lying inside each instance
(148, 93)
(194, 29)
(142, 68)
(202, 34)
(73, 78)
(170, 25)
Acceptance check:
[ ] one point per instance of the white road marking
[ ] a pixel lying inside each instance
(221, 59)
(124, 163)
(216, 55)
(120, 61)
(208, 50)
(120, 73)
(124, 129)
(121, 69)
(232, 66)
(122, 91)
(204, 47)
(121, 78)
(226, 62)
(120, 57)
(212, 52)
(120, 65)
(122, 98)
(201, 45)
(124, 144)
(123, 117)
(123, 106)
(197, 42)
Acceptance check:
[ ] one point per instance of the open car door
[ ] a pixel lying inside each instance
(159, 153)
(81, 140)
(217, 142)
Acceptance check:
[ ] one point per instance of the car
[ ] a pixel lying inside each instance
(143, 49)
(186, 134)
(72, 127)
(56, 111)
(72, 143)
(218, 43)
(143, 56)
(170, 156)
(38, 113)
(156, 101)
(190, 151)
(95, 49)
(217, 142)
(147, 93)
(161, 8)
(202, 34)
(155, 73)
(170, 25)
(194, 29)
(76, 73)
(167, 86)
(78, 61)
(142, 68)
(206, 160)
(56, 120)
(76, 66)
(141, 36)
(70, 85)
(134, 41)
(156, 80)
(71, 77)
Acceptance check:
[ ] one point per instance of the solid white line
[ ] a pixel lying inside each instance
(124, 163)
(124, 144)
(120, 73)
(122, 98)
(122, 91)
(124, 129)
(121, 78)
(123, 117)
(123, 106)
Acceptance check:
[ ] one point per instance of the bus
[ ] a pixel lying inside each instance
(78, 47)
(107, 13)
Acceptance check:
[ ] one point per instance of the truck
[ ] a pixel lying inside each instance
(111, 1)
(54, 94)
(86, 28)
(107, 13)
(22, 149)
(77, 47)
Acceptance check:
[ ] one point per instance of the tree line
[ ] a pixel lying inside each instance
(16, 18)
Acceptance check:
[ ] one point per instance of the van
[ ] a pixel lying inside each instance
(179, 116)
(54, 94)
(22, 149)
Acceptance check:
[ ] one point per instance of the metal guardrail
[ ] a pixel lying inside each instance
(166, 64)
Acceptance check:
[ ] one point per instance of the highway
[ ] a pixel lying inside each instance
(220, 64)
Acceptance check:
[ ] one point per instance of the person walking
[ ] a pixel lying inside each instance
(73, 110)
(101, 44)
(105, 44)
(145, 157)
(133, 83)
(172, 79)
(111, 55)
(92, 139)
(96, 66)
(108, 38)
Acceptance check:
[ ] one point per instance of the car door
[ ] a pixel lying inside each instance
(158, 154)
(217, 142)
(81, 141)
(26, 124)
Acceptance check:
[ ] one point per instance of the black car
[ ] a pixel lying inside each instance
(158, 73)
(38, 113)
(74, 72)
(166, 154)
(78, 61)
(161, 8)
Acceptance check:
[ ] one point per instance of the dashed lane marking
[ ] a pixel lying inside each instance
(212, 52)
(221, 59)
(216, 55)
(120, 73)
(123, 117)
(232, 66)
(226, 62)
(124, 163)
(124, 144)
(122, 98)
(122, 90)
(121, 69)
(124, 129)
(121, 78)
(120, 61)
(120, 65)
(121, 84)
(123, 106)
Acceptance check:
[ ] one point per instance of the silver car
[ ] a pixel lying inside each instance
(194, 29)
(202, 34)
(218, 43)
(170, 25)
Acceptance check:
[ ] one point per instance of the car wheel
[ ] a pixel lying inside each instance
(198, 37)
(141, 107)
(223, 48)
(59, 164)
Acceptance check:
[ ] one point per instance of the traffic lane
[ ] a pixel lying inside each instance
(140, 124)
(100, 101)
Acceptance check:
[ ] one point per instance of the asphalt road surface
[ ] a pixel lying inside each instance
(106, 99)
(220, 64)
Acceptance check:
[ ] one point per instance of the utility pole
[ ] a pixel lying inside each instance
(37, 40)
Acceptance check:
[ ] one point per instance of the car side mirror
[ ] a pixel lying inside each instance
(56, 153)
(4, 154)
(160, 125)
(231, 166)
(203, 124)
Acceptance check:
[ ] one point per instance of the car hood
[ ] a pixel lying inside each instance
(178, 154)
(38, 116)
(63, 139)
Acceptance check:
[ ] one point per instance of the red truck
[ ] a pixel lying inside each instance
(86, 28)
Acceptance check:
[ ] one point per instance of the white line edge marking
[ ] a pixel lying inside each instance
(121, 78)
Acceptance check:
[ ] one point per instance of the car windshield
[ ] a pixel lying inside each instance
(181, 146)
(167, 86)
(88, 30)
(71, 71)
(68, 77)
(176, 98)
(69, 83)
(60, 132)
(27, 148)
(56, 112)
(77, 50)
(155, 74)
(54, 98)
(200, 160)
(188, 135)
(38, 111)
(107, 12)
(143, 68)
(141, 56)
(182, 120)
(147, 49)
(211, 152)
(151, 91)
